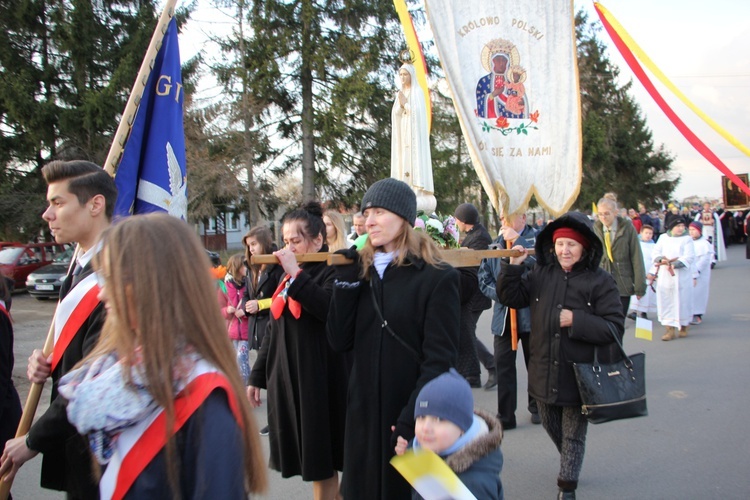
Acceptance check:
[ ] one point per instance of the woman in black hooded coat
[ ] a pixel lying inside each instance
(574, 303)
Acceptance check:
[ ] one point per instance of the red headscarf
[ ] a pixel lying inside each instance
(567, 232)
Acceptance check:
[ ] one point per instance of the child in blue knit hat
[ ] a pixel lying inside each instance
(468, 439)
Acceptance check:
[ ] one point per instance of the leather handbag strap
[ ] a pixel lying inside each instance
(625, 356)
(384, 324)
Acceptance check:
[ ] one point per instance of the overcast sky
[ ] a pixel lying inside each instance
(703, 47)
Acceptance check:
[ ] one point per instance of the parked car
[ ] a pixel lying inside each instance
(18, 261)
(45, 282)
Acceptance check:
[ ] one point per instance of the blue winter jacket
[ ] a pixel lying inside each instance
(488, 271)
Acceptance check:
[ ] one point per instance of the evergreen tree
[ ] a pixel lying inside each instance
(618, 149)
(65, 70)
(326, 68)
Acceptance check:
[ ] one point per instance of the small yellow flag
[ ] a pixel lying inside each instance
(430, 476)
(644, 329)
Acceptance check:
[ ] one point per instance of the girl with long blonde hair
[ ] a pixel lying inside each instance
(335, 230)
(160, 396)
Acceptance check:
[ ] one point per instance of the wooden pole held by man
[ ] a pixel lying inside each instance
(113, 158)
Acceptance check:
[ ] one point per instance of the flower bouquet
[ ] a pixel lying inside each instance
(441, 229)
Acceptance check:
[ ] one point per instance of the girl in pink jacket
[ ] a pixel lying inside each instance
(236, 318)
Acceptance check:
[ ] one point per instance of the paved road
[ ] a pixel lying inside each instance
(694, 444)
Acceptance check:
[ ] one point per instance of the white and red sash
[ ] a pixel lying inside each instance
(72, 313)
(138, 445)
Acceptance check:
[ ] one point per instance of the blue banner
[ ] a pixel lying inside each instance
(152, 176)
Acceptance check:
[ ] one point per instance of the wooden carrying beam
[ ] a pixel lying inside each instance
(456, 258)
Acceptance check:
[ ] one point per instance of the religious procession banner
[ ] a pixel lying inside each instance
(512, 70)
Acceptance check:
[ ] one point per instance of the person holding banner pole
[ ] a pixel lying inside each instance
(575, 308)
(396, 308)
(81, 198)
(514, 231)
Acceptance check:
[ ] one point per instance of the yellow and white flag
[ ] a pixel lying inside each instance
(430, 476)
(643, 329)
(513, 74)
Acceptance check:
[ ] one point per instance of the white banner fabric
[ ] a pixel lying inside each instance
(512, 70)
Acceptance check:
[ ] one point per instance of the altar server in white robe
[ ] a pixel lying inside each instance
(673, 259)
(647, 303)
(701, 271)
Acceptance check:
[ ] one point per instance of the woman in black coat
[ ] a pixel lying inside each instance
(574, 304)
(397, 311)
(10, 405)
(304, 377)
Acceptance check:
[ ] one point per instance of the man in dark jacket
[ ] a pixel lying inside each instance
(471, 350)
(644, 216)
(517, 232)
(81, 201)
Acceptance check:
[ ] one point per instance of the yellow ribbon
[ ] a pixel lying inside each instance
(608, 243)
(635, 49)
(419, 63)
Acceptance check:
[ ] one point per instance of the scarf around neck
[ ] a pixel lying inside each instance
(127, 402)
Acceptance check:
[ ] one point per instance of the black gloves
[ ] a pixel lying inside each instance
(348, 273)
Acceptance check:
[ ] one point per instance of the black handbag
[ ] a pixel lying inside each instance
(613, 391)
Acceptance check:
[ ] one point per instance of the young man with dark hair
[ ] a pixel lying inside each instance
(81, 199)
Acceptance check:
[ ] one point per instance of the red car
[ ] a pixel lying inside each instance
(20, 259)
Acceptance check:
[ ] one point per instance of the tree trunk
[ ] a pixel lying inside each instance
(253, 213)
(306, 82)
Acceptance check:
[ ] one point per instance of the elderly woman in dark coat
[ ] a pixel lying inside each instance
(397, 311)
(574, 304)
(305, 378)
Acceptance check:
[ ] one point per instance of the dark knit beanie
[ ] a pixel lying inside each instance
(697, 225)
(674, 222)
(449, 397)
(467, 213)
(393, 195)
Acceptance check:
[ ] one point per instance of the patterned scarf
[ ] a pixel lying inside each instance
(127, 402)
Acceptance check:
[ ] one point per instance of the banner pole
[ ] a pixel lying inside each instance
(113, 158)
(513, 318)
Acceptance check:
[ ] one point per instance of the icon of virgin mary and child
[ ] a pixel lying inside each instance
(501, 93)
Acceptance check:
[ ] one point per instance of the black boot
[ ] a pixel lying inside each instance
(567, 490)
(566, 495)
(491, 380)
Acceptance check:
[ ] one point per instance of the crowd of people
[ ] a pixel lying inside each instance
(359, 362)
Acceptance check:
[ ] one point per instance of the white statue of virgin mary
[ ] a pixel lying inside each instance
(411, 161)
